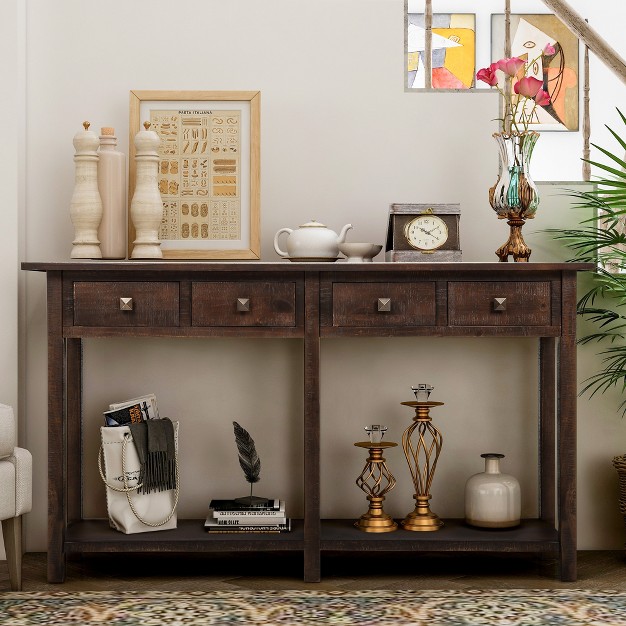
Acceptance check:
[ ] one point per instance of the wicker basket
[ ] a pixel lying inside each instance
(619, 462)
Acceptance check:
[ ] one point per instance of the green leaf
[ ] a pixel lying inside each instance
(611, 156)
(607, 168)
(619, 139)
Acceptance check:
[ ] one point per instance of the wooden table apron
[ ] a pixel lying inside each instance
(338, 300)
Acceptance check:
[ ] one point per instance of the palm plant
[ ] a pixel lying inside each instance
(601, 239)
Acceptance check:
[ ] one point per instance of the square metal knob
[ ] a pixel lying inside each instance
(499, 304)
(384, 305)
(243, 304)
(126, 304)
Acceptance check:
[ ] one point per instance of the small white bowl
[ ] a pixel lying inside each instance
(359, 252)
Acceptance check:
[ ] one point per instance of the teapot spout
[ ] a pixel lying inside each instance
(342, 234)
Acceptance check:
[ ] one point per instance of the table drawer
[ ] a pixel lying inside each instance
(243, 304)
(383, 304)
(101, 303)
(499, 304)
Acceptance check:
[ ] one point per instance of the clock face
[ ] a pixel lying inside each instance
(426, 232)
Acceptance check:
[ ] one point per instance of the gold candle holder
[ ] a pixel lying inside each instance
(422, 456)
(376, 481)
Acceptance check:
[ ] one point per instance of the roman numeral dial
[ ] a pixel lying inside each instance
(426, 232)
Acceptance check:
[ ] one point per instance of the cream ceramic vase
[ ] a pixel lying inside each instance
(86, 204)
(492, 499)
(146, 207)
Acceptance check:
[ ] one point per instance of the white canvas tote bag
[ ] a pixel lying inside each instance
(131, 512)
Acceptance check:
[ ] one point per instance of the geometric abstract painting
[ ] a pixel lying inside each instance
(453, 50)
(559, 72)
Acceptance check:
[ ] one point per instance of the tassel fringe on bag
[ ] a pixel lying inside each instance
(154, 440)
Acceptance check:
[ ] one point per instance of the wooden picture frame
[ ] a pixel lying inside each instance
(209, 171)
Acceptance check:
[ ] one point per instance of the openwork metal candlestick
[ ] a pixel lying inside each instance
(421, 443)
(376, 481)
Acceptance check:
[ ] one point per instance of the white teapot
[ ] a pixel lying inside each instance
(311, 242)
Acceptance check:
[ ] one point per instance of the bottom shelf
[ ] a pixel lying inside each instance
(532, 535)
(95, 535)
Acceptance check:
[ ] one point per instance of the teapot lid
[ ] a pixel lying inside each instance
(312, 224)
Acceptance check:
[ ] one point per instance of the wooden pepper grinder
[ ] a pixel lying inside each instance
(86, 205)
(114, 193)
(146, 207)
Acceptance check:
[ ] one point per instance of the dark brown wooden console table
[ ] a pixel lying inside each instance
(313, 301)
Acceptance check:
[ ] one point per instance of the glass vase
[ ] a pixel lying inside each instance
(514, 197)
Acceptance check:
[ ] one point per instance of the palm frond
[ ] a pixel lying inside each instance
(617, 137)
(613, 157)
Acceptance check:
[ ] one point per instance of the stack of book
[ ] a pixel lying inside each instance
(229, 516)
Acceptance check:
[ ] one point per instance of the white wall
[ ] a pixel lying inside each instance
(11, 110)
(341, 140)
(10, 104)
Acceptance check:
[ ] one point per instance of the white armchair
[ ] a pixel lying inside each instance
(16, 477)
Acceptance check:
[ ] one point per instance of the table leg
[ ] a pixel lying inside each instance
(56, 427)
(547, 406)
(566, 435)
(74, 358)
(312, 568)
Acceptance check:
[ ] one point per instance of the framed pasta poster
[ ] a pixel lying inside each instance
(209, 171)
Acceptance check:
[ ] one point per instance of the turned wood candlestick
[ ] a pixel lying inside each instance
(86, 204)
(146, 207)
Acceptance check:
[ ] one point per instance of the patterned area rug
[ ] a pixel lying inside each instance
(505, 607)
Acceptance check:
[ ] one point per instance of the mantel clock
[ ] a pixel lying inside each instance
(423, 233)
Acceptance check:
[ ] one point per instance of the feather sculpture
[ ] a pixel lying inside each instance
(250, 463)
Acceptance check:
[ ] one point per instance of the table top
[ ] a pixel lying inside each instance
(286, 266)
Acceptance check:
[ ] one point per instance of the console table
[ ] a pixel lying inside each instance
(313, 301)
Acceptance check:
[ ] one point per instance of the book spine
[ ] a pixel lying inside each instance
(245, 514)
(226, 531)
(249, 521)
(231, 505)
(246, 528)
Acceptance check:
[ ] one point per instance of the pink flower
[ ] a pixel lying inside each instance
(528, 87)
(515, 114)
(511, 66)
(549, 50)
(488, 75)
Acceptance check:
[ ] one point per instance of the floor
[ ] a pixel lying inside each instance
(596, 570)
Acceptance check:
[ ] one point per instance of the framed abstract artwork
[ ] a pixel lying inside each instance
(208, 177)
(559, 72)
(453, 58)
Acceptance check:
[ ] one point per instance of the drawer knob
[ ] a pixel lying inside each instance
(126, 304)
(384, 305)
(243, 304)
(499, 304)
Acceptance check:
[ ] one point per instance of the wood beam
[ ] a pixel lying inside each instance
(586, 121)
(589, 36)
(428, 47)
